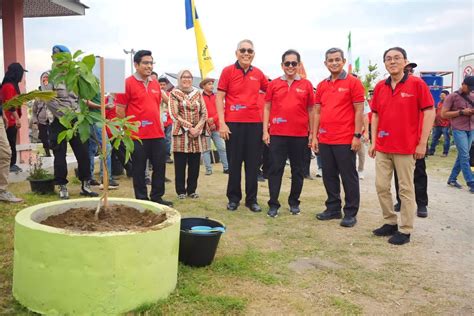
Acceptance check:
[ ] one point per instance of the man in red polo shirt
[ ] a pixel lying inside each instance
(288, 108)
(399, 136)
(337, 136)
(142, 100)
(241, 123)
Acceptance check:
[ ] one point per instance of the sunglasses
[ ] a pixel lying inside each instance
(290, 63)
(248, 50)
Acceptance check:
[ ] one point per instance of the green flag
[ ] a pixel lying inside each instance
(357, 65)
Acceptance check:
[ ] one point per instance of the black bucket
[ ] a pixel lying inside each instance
(197, 249)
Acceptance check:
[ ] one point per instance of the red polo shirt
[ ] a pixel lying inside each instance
(336, 124)
(9, 92)
(143, 103)
(289, 110)
(210, 100)
(242, 89)
(399, 112)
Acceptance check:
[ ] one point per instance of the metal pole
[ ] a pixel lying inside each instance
(131, 52)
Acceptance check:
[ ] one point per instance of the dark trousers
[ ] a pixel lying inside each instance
(340, 160)
(81, 151)
(43, 135)
(264, 166)
(307, 160)
(280, 148)
(243, 146)
(192, 160)
(420, 179)
(11, 135)
(155, 150)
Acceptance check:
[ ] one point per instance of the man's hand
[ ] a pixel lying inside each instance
(372, 151)
(315, 145)
(266, 138)
(310, 139)
(224, 131)
(18, 123)
(210, 120)
(420, 151)
(355, 146)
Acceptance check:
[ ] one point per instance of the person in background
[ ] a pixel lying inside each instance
(66, 100)
(5, 150)
(213, 123)
(459, 108)
(10, 89)
(166, 88)
(440, 128)
(41, 116)
(142, 99)
(240, 124)
(189, 114)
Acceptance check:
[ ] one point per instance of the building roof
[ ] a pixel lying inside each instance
(49, 8)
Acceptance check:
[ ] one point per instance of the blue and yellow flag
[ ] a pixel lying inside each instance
(204, 57)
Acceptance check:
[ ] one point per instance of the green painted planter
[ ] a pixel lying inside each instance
(61, 272)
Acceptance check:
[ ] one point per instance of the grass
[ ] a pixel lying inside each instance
(254, 270)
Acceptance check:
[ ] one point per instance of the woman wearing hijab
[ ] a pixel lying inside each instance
(42, 116)
(10, 89)
(189, 114)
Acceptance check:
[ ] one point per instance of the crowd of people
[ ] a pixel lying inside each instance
(263, 125)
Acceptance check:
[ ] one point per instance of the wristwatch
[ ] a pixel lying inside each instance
(357, 135)
(461, 113)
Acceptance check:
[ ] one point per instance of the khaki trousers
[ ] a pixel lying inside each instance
(5, 156)
(405, 165)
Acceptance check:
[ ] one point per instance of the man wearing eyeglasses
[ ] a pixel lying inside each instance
(241, 124)
(142, 100)
(337, 136)
(399, 137)
(288, 110)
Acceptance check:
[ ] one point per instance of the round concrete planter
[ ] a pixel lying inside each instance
(62, 272)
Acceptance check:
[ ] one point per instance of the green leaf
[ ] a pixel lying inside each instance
(77, 54)
(84, 131)
(117, 143)
(86, 90)
(61, 136)
(69, 134)
(64, 120)
(89, 61)
(20, 99)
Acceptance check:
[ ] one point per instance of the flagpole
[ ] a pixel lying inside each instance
(193, 8)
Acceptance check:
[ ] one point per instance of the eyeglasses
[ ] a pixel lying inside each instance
(146, 63)
(248, 50)
(395, 59)
(186, 77)
(290, 63)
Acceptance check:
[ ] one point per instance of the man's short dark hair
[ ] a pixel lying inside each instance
(334, 50)
(398, 49)
(137, 58)
(164, 80)
(291, 52)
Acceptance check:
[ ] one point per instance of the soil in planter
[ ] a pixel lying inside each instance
(113, 218)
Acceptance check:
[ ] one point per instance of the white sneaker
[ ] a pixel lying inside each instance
(361, 175)
(63, 193)
(319, 173)
(7, 196)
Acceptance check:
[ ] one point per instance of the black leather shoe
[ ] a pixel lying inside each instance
(254, 207)
(386, 230)
(232, 206)
(348, 221)
(164, 202)
(399, 238)
(326, 215)
(397, 207)
(422, 211)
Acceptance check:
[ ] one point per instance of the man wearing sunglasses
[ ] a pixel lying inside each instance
(142, 99)
(337, 136)
(289, 112)
(241, 124)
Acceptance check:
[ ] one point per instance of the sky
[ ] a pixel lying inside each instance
(433, 32)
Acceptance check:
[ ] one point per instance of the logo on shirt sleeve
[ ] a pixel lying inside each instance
(145, 123)
(279, 120)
